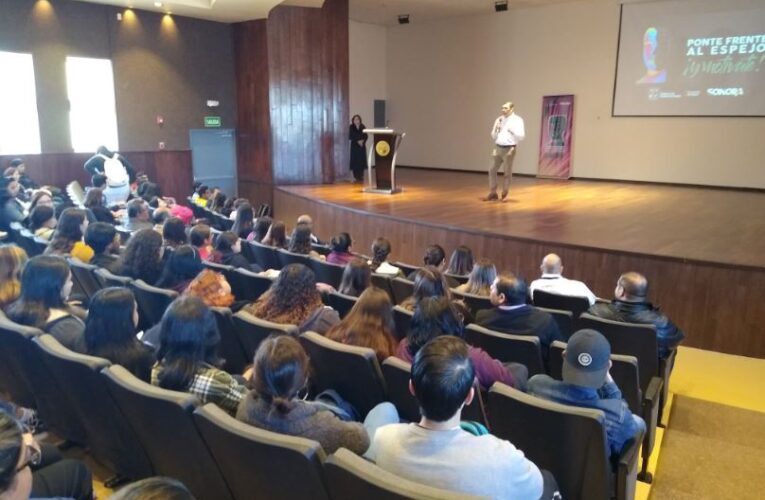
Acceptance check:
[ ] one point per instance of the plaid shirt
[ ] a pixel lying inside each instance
(212, 385)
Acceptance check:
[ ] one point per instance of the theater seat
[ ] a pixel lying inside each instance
(251, 331)
(350, 476)
(257, 463)
(152, 302)
(164, 424)
(340, 302)
(568, 441)
(524, 349)
(403, 318)
(247, 285)
(15, 339)
(384, 282)
(229, 347)
(331, 274)
(286, 257)
(265, 255)
(109, 435)
(402, 289)
(83, 275)
(351, 371)
(564, 319)
(474, 302)
(577, 305)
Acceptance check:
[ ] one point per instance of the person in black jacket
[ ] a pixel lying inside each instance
(358, 148)
(228, 250)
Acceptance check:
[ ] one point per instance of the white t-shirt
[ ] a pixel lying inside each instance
(555, 283)
(456, 460)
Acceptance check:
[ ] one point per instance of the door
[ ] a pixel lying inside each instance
(213, 158)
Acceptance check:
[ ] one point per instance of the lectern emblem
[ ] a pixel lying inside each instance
(382, 148)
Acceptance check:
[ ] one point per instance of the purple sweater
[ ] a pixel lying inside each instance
(487, 369)
(340, 258)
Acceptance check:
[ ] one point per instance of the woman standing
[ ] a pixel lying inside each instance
(358, 148)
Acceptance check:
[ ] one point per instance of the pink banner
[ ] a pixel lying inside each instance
(556, 137)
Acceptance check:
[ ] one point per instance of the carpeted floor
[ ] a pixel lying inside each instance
(711, 451)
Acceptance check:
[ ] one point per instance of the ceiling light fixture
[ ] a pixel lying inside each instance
(157, 4)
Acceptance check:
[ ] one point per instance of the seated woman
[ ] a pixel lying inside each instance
(380, 251)
(10, 208)
(461, 261)
(243, 225)
(369, 324)
(41, 198)
(228, 251)
(435, 257)
(260, 229)
(481, 278)
(212, 288)
(356, 277)
(294, 299)
(187, 360)
(67, 239)
(436, 316)
(110, 332)
(95, 202)
(279, 374)
(46, 283)
(341, 249)
(42, 222)
(142, 258)
(300, 242)
(12, 260)
(430, 282)
(200, 237)
(276, 236)
(183, 265)
(174, 232)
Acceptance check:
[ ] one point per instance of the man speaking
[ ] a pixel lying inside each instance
(507, 132)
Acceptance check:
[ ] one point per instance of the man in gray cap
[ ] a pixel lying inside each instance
(587, 383)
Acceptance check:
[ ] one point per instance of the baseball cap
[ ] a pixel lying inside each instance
(586, 360)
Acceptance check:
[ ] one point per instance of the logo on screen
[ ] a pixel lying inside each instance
(650, 46)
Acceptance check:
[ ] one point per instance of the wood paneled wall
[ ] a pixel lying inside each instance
(719, 307)
(292, 96)
(170, 169)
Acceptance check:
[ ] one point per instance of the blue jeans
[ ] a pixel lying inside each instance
(382, 414)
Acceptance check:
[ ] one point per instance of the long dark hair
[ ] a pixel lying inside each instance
(380, 250)
(361, 122)
(183, 265)
(226, 242)
(94, 198)
(461, 261)
(142, 259)
(280, 371)
(340, 243)
(356, 277)
(243, 223)
(68, 231)
(188, 339)
(369, 324)
(276, 235)
(433, 317)
(291, 299)
(300, 242)
(42, 281)
(261, 227)
(174, 232)
(11, 447)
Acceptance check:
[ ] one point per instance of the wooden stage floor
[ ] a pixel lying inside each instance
(687, 223)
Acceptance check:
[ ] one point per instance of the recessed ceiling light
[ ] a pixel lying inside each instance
(157, 4)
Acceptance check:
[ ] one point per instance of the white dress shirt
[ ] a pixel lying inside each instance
(555, 283)
(508, 130)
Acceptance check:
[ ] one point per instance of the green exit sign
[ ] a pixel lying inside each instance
(212, 121)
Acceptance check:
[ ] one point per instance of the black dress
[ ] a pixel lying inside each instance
(358, 153)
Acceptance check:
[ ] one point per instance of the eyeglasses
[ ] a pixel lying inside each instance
(33, 456)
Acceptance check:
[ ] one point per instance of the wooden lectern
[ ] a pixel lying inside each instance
(385, 144)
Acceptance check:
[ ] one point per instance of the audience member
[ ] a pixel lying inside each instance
(94, 201)
(28, 470)
(279, 374)
(142, 258)
(174, 232)
(41, 198)
(12, 260)
(119, 173)
(183, 265)
(630, 305)
(46, 283)
(10, 208)
(436, 316)
(293, 299)
(98, 181)
(243, 224)
(212, 288)
(200, 237)
(187, 360)
(436, 451)
(380, 251)
(430, 282)
(138, 215)
(587, 383)
(175, 210)
(42, 222)
(67, 238)
(513, 315)
(228, 251)
(308, 221)
(154, 488)
(369, 324)
(300, 242)
(217, 202)
(21, 170)
(552, 281)
(259, 231)
(434, 257)
(461, 261)
(276, 236)
(102, 237)
(356, 277)
(110, 332)
(341, 249)
(481, 278)
(202, 195)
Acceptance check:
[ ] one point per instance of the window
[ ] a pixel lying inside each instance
(19, 125)
(92, 109)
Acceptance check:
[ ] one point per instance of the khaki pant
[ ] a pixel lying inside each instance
(501, 154)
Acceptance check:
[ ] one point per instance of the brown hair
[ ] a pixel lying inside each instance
(369, 324)
(280, 370)
(292, 299)
(211, 288)
(12, 259)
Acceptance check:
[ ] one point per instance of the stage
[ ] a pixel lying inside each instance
(700, 248)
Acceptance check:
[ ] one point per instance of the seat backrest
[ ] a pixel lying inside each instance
(257, 463)
(352, 371)
(220, 268)
(152, 302)
(403, 318)
(341, 303)
(577, 305)
(382, 281)
(407, 269)
(331, 274)
(458, 278)
(474, 302)
(402, 289)
(83, 275)
(251, 331)
(564, 320)
(265, 255)
(632, 339)
(568, 441)
(26, 240)
(164, 424)
(624, 370)
(524, 349)
(109, 435)
(247, 285)
(14, 377)
(108, 279)
(229, 347)
(286, 257)
(350, 476)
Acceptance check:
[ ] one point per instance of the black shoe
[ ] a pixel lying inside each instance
(491, 197)
(504, 195)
